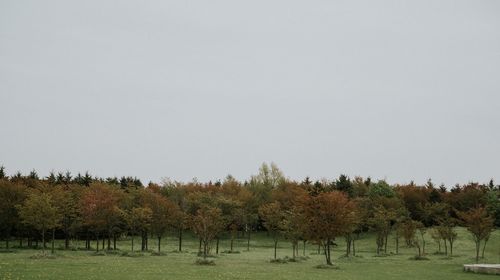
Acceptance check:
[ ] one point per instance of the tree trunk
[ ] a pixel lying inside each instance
(103, 242)
(20, 242)
(53, 238)
(248, 241)
(293, 249)
(132, 242)
(484, 247)
(385, 244)
(353, 248)
(97, 242)
(304, 248)
(199, 248)
(159, 244)
(109, 242)
(275, 247)
(232, 240)
(180, 240)
(66, 241)
(478, 245)
(7, 243)
(451, 248)
(327, 252)
(43, 240)
(217, 245)
(397, 244)
(423, 243)
(205, 249)
(44, 243)
(114, 242)
(445, 247)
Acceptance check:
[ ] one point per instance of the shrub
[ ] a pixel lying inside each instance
(205, 262)
(419, 258)
(230, 252)
(42, 256)
(132, 254)
(158, 254)
(280, 260)
(326, 266)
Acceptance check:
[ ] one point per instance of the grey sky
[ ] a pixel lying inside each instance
(403, 90)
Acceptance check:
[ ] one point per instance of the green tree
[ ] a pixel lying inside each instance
(273, 217)
(39, 211)
(11, 194)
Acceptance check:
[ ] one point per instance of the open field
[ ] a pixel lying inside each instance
(249, 265)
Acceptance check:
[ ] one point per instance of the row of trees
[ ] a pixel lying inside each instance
(89, 208)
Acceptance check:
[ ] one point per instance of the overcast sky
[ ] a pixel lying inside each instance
(402, 90)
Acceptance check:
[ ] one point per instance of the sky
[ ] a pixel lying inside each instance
(395, 90)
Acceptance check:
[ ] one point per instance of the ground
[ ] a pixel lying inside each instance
(250, 265)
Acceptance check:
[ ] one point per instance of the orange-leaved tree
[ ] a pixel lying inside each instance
(329, 215)
(480, 224)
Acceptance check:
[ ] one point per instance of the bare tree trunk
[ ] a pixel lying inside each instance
(248, 241)
(97, 242)
(353, 248)
(159, 243)
(445, 247)
(478, 245)
(275, 247)
(132, 242)
(53, 238)
(43, 240)
(217, 246)
(304, 247)
(385, 244)
(397, 244)
(327, 252)
(484, 247)
(451, 248)
(180, 239)
(66, 240)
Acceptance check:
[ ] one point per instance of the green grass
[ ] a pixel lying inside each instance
(248, 265)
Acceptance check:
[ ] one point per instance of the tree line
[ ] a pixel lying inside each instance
(83, 207)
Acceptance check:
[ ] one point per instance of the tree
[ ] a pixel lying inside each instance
(39, 211)
(381, 224)
(100, 209)
(480, 224)
(66, 200)
(163, 212)
(329, 215)
(343, 184)
(207, 223)
(273, 218)
(138, 221)
(11, 194)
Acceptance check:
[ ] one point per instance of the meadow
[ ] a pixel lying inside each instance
(253, 264)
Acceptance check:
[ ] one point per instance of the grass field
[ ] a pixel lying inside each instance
(249, 265)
